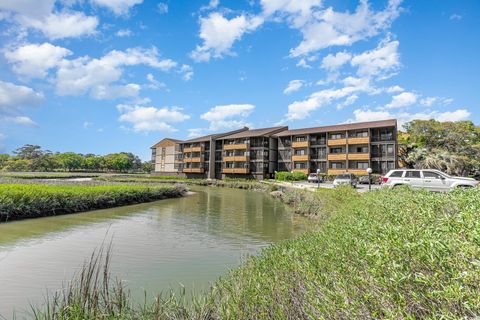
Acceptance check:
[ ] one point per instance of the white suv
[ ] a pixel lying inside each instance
(429, 179)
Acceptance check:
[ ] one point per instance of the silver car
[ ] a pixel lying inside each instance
(433, 180)
(345, 179)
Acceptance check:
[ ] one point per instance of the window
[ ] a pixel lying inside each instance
(362, 165)
(300, 139)
(336, 150)
(396, 174)
(334, 136)
(300, 165)
(363, 149)
(390, 150)
(359, 134)
(300, 152)
(412, 174)
(431, 175)
(336, 165)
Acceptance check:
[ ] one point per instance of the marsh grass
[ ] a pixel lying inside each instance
(21, 201)
(390, 254)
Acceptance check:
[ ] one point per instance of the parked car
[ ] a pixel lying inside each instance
(433, 180)
(314, 178)
(345, 179)
(364, 180)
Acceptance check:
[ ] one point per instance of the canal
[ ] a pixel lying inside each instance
(189, 241)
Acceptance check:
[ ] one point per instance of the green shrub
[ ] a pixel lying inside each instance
(290, 176)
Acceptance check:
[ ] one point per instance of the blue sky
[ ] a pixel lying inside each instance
(100, 76)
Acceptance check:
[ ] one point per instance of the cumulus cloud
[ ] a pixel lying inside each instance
(228, 116)
(119, 7)
(430, 101)
(401, 100)
(379, 61)
(124, 33)
(34, 60)
(293, 86)
(334, 61)
(98, 76)
(331, 28)
(219, 34)
(362, 115)
(147, 119)
(13, 98)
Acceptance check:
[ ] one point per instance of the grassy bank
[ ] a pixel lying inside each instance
(385, 254)
(22, 201)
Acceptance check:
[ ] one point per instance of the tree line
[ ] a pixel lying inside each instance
(34, 158)
(452, 147)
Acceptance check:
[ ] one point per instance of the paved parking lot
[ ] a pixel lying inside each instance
(306, 185)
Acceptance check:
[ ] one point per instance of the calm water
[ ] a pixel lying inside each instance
(156, 246)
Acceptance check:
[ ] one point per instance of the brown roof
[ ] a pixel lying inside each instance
(165, 139)
(256, 132)
(214, 136)
(339, 127)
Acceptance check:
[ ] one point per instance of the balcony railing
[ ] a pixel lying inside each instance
(237, 146)
(361, 140)
(337, 156)
(306, 171)
(236, 158)
(302, 157)
(193, 159)
(236, 170)
(192, 149)
(359, 156)
(193, 170)
(337, 142)
(301, 144)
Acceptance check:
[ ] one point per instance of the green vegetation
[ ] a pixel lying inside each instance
(45, 175)
(452, 147)
(21, 201)
(385, 254)
(32, 158)
(290, 176)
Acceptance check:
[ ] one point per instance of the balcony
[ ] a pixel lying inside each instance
(362, 140)
(359, 172)
(236, 170)
(306, 171)
(236, 158)
(337, 142)
(358, 156)
(193, 170)
(337, 157)
(303, 157)
(194, 159)
(192, 149)
(300, 144)
(238, 146)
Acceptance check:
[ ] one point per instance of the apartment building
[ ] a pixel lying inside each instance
(340, 148)
(258, 153)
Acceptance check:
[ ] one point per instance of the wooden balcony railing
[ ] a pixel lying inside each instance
(194, 159)
(337, 156)
(236, 158)
(301, 144)
(303, 157)
(238, 146)
(193, 170)
(236, 170)
(361, 140)
(337, 142)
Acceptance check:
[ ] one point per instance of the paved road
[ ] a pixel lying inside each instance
(306, 185)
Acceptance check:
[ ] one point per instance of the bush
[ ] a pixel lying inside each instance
(290, 176)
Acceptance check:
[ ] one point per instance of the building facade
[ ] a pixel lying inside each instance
(258, 153)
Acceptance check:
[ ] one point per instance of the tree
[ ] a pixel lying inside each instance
(3, 159)
(69, 161)
(29, 151)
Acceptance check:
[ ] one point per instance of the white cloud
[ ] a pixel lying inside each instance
(146, 119)
(124, 33)
(97, 76)
(299, 110)
(187, 72)
(41, 15)
(222, 117)
(378, 61)
(219, 34)
(394, 89)
(63, 25)
(333, 62)
(456, 17)
(162, 7)
(34, 60)
(196, 132)
(119, 7)
(331, 28)
(293, 86)
(430, 101)
(21, 120)
(404, 117)
(154, 84)
(401, 100)
(349, 101)
(304, 64)
(13, 97)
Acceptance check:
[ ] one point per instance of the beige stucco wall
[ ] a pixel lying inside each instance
(165, 162)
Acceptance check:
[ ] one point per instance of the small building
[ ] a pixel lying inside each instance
(166, 157)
